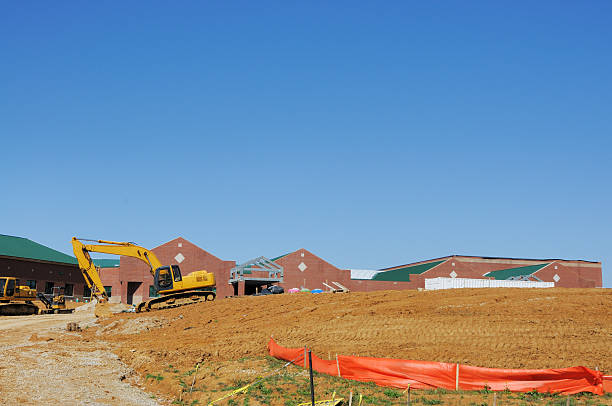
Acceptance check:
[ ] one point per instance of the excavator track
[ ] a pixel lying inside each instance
(176, 300)
(17, 309)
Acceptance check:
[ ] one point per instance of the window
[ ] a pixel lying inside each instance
(108, 290)
(177, 273)
(31, 284)
(86, 291)
(2, 283)
(49, 288)
(68, 289)
(164, 278)
(153, 291)
(10, 287)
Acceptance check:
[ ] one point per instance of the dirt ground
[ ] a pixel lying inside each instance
(504, 328)
(197, 353)
(42, 363)
(510, 328)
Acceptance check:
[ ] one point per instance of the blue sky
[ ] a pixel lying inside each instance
(373, 134)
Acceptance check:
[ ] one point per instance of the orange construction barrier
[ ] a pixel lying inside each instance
(399, 373)
(429, 375)
(565, 380)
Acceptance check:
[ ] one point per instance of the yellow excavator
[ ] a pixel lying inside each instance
(174, 288)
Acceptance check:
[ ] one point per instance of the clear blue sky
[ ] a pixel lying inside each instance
(373, 134)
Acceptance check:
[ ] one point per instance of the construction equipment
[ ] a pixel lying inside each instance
(174, 288)
(16, 300)
(57, 304)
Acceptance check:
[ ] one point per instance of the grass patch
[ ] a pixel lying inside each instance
(392, 393)
(158, 377)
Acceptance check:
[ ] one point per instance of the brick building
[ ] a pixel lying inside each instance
(132, 281)
(564, 273)
(303, 269)
(129, 280)
(41, 267)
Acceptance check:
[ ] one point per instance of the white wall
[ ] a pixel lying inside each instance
(458, 283)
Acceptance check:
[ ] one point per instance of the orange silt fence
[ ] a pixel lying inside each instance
(400, 373)
(563, 380)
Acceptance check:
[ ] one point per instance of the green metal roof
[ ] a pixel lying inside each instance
(106, 263)
(503, 274)
(20, 247)
(403, 274)
(284, 255)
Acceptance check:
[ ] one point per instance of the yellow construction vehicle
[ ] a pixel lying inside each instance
(16, 300)
(57, 304)
(174, 288)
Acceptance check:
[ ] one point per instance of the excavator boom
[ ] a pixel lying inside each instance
(88, 268)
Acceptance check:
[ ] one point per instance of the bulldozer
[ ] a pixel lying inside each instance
(16, 300)
(174, 288)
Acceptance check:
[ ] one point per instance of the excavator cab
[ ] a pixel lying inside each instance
(2, 287)
(165, 276)
(10, 287)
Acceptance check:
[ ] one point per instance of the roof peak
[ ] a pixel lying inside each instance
(14, 236)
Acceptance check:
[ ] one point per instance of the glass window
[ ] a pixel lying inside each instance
(10, 287)
(68, 289)
(164, 278)
(49, 288)
(31, 284)
(109, 290)
(177, 273)
(86, 291)
(2, 282)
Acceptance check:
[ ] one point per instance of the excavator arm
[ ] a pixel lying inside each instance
(89, 270)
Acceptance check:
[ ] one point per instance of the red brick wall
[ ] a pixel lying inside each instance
(196, 259)
(316, 272)
(43, 272)
(573, 274)
(358, 285)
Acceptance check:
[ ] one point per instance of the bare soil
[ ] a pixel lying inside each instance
(503, 328)
(217, 346)
(42, 363)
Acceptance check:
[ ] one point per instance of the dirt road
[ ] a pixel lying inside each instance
(40, 364)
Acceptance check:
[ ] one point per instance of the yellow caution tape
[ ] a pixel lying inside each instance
(252, 383)
(232, 393)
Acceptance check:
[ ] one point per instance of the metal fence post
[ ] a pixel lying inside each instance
(312, 397)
